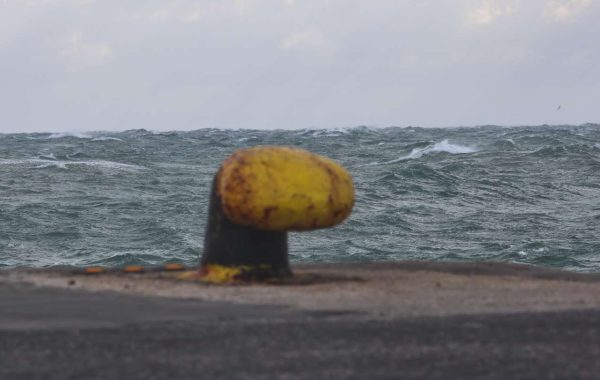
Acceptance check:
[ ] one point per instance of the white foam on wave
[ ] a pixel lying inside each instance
(52, 164)
(50, 156)
(79, 135)
(597, 145)
(109, 164)
(107, 138)
(63, 164)
(333, 132)
(442, 146)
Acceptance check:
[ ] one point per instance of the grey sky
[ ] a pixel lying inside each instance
(182, 64)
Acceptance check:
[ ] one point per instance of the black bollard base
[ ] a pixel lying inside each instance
(239, 253)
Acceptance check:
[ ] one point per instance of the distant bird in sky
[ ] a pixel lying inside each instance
(559, 107)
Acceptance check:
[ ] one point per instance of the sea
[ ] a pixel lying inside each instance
(527, 194)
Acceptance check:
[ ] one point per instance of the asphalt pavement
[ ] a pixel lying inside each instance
(49, 333)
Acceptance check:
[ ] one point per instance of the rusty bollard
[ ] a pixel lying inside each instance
(258, 195)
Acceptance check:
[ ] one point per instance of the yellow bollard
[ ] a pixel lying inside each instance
(258, 195)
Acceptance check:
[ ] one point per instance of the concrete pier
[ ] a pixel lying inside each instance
(386, 320)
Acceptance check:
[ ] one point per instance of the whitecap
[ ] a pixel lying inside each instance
(57, 164)
(597, 146)
(9, 161)
(50, 156)
(109, 164)
(107, 138)
(78, 135)
(64, 164)
(41, 163)
(333, 132)
(442, 146)
(164, 133)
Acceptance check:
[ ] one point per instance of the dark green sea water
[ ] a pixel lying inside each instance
(526, 194)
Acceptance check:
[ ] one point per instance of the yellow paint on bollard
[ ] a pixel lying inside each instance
(219, 274)
(279, 188)
(225, 274)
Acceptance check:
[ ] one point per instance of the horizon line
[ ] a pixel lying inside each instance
(82, 133)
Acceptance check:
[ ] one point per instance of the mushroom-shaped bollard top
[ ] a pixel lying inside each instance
(277, 189)
(258, 195)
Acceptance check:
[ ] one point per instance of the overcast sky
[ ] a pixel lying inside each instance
(175, 65)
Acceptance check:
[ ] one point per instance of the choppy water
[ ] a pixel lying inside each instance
(527, 194)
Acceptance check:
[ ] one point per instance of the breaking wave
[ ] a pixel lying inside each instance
(442, 146)
(79, 135)
(50, 161)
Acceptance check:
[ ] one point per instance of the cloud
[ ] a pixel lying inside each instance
(186, 64)
(243, 6)
(488, 12)
(155, 15)
(563, 11)
(169, 13)
(191, 16)
(79, 54)
(44, 3)
(309, 38)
